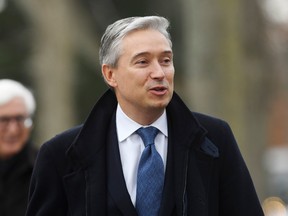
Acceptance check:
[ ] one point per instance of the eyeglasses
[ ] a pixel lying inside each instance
(22, 121)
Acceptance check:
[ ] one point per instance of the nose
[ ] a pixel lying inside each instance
(157, 71)
(13, 126)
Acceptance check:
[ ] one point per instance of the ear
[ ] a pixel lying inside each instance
(109, 75)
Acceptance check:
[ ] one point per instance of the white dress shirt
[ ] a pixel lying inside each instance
(131, 146)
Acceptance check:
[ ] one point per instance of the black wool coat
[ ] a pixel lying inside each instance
(79, 173)
(15, 174)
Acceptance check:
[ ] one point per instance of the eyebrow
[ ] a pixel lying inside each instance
(147, 53)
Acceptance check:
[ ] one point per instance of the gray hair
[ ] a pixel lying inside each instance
(10, 89)
(110, 49)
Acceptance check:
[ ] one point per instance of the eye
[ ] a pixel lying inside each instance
(142, 62)
(166, 61)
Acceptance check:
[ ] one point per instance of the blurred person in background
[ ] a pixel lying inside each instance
(17, 155)
(141, 151)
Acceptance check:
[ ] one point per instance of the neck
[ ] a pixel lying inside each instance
(144, 117)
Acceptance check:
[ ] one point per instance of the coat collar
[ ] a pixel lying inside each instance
(182, 123)
(92, 137)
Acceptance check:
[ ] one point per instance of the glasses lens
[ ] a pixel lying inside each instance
(28, 122)
(21, 121)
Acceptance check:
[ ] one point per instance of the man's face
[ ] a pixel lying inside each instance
(143, 78)
(13, 132)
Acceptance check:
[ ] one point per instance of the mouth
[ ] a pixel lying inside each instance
(159, 90)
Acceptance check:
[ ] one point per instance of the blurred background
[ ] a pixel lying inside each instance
(231, 61)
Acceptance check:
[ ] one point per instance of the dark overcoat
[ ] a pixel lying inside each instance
(15, 174)
(79, 173)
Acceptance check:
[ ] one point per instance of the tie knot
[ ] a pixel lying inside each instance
(147, 134)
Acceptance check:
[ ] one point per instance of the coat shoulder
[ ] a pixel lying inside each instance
(63, 140)
(56, 148)
(208, 120)
(214, 126)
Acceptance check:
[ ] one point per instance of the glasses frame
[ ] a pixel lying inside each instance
(21, 121)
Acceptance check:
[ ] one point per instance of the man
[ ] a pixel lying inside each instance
(17, 154)
(102, 166)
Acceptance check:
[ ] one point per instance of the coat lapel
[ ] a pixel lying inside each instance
(116, 182)
(86, 185)
(187, 138)
(85, 189)
(168, 197)
(188, 191)
(75, 187)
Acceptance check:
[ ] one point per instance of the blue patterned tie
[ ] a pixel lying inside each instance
(150, 179)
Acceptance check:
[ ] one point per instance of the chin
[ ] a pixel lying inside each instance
(14, 149)
(161, 105)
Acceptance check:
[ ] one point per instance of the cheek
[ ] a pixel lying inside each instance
(26, 133)
(129, 80)
(170, 76)
(23, 136)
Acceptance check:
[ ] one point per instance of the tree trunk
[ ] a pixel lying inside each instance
(52, 65)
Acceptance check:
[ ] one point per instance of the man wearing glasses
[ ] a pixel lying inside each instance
(17, 155)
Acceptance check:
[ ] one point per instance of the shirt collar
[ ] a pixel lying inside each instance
(126, 126)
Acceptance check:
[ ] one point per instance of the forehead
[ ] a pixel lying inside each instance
(16, 106)
(140, 39)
